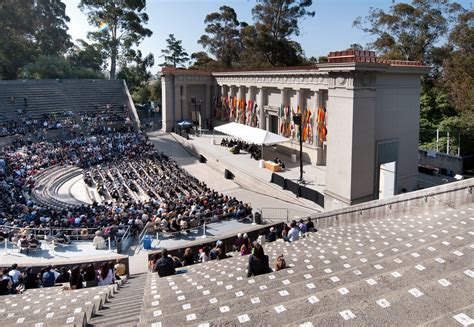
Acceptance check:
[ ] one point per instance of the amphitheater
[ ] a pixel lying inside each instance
(401, 261)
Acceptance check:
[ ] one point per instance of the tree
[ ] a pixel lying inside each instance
(51, 67)
(85, 55)
(222, 36)
(174, 53)
(458, 67)
(408, 31)
(276, 21)
(356, 46)
(137, 73)
(48, 67)
(51, 34)
(34, 28)
(201, 60)
(122, 26)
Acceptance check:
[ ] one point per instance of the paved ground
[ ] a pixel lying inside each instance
(70, 253)
(254, 189)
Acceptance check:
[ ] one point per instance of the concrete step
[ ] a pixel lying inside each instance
(124, 308)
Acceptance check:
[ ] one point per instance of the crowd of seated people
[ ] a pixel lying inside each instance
(236, 146)
(29, 125)
(92, 121)
(15, 281)
(258, 263)
(144, 186)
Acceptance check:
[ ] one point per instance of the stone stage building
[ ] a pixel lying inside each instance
(360, 116)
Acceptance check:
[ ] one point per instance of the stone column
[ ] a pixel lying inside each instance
(261, 112)
(177, 103)
(284, 95)
(224, 90)
(350, 143)
(185, 110)
(252, 90)
(299, 99)
(205, 120)
(240, 92)
(167, 102)
(232, 90)
(320, 156)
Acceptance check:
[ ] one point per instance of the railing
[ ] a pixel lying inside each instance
(126, 240)
(141, 236)
(170, 234)
(272, 214)
(72, 233)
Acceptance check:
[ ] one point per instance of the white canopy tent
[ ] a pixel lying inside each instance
(251, 134)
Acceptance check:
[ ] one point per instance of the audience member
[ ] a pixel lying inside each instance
(272, 235)
(302, 226)
(106, 275)
(63, 276)
(75, 281)
(15, 275)
(30, 279)
(294, 233)
(246, 247)
(310, 226)
(48, 277)
(188, 257)
(90, 276)
(258, 262)
(120, 268)
(165, 265)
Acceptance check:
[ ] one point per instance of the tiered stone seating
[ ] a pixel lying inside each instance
(400, 270)
(49, 183)
(54, 307)
(58, 96)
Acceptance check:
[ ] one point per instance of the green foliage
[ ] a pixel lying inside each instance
(126, 22)
(155, 90)
(266, 43)
(174, 53)
(222, 36)
(28, 30)
(276, 21)
(201, 60)
(141, 95)
(88, 56)
(408, 31)
(414, 32)
(52, 67)
(137, 74)
(458, 67)
(47, 67)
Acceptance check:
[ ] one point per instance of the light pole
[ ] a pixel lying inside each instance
(297, 119)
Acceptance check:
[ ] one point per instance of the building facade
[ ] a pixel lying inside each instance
(360, 116)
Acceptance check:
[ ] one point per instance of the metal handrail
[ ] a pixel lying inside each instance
(75, 233)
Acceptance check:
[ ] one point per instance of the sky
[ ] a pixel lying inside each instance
(329, 30)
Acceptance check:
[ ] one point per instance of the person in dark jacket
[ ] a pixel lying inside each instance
(258, 262)
(30, 279)
(75, 280)
(63, 276)
(188, 257)
(165, 265)
(272, 235)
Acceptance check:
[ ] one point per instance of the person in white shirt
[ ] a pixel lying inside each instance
(106, 275)
(15, 274)
(294, 233)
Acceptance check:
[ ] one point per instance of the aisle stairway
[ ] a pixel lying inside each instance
(124, 308)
